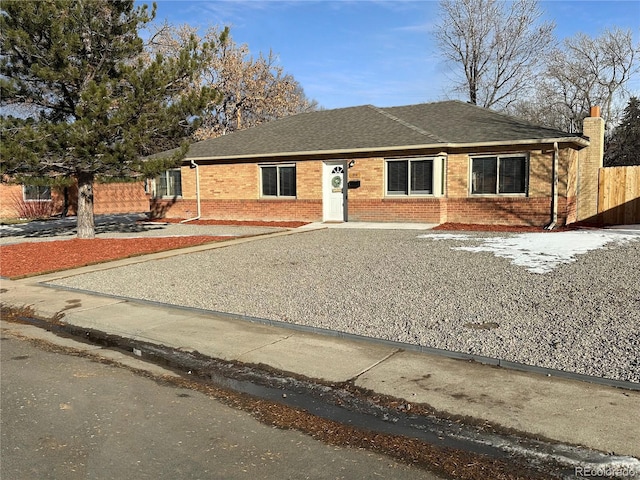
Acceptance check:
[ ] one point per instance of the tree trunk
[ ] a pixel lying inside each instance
(86, 225)
(65, 206)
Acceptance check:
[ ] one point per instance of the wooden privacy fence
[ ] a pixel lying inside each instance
(619, 195)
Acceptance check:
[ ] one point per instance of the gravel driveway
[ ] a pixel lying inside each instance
(582, 316)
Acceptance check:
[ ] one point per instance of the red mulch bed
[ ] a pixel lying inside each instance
(472, 227)
(35, 258)
(243, 223)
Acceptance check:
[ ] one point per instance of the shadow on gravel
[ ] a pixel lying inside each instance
(107, 228)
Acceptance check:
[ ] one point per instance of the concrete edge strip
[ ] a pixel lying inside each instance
(498, 362)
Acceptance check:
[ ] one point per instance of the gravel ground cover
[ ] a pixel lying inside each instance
(582, 316)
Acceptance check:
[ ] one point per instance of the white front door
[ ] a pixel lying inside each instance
(334, 192)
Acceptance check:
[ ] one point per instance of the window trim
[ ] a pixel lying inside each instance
(278, 166)
(498, 157)
(154, 181)
(435, 172)
(24, 193)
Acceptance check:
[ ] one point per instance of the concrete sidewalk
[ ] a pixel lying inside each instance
(594, 416)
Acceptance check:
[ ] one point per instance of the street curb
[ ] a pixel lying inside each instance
(491, 361)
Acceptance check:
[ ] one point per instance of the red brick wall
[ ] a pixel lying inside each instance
(108, 198)
(504, 211)
(497, 211)
(263, 209)
(120, 198)
(427, 210)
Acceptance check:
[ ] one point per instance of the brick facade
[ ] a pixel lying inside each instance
(120, 198)
(108, 198)
(13, 205)
(9, 194)
(504, 211)
(249, 209)
(232, 191)
(589, 163)
(426, 210)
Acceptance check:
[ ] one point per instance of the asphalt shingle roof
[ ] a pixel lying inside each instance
(369, 128)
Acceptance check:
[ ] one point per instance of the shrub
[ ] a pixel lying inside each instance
(32, 209)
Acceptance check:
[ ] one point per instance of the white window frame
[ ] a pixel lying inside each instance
(38, 188)
(278, 166)
(437, 177)
(154, 184)
(498, 157)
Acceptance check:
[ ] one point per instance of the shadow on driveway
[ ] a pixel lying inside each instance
(57, 227)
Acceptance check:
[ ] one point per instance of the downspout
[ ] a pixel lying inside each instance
(195, 165)
(554, 205)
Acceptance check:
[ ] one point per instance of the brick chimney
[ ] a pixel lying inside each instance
(591, 160)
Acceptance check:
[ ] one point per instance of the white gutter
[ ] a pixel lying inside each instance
(554, 206)
(578, 141)
(195, 165)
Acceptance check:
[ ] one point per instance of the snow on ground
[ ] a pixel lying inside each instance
(446, 236)
(541, 252)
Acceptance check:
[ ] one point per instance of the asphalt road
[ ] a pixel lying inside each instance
(69, 417)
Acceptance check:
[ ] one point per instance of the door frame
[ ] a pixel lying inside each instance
(326, 192)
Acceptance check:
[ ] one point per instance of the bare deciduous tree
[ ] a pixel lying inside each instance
(583, 73)
(253, 90)
(497, 44)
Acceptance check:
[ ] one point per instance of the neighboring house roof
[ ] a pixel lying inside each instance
(366, 129)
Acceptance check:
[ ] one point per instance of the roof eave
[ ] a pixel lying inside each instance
(578, 142)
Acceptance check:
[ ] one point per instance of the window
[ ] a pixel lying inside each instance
(169, 184)
(499, 175)
(278, 180)
(36, 193)
(512, 175)
(410, 177)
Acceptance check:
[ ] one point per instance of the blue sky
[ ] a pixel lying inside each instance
(356, 52)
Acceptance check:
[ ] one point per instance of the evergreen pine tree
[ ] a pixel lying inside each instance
(623, 147)
(80, 100)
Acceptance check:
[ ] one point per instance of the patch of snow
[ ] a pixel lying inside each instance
(446, 236)
(625, 228)
(542, 252)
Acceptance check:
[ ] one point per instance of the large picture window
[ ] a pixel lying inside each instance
(278, 180)
(168, 184)
(410, 177)
(499, 174)
(36, 193)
